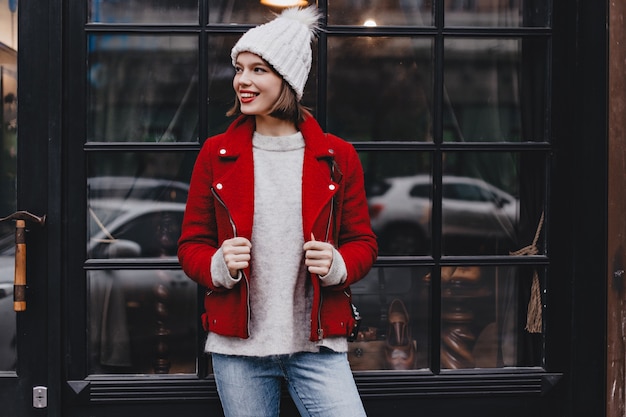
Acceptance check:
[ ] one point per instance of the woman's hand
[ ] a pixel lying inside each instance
(318, 256)
(236, 254)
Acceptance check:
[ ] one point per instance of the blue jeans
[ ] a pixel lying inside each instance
(321, 384)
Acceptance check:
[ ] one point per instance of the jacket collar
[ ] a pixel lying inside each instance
(318, 159)
(240, 133)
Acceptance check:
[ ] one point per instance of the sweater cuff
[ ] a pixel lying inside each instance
(219, 272)
(338, 272)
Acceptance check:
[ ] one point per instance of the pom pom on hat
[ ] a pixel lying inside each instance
(285, 43)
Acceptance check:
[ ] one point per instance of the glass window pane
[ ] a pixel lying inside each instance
(8, 204)
(380, 13)
(394, 305)
(380, 88)
(142, 88)
(160, 176)
(498, 13)
(485, 195)
(241, 11)
(143, 11)
(483, 314)
(480, 203)
(398, 186)
(491, 93)
(136, 203)
(221, 73)
(134, 229)
(8, 335)
(491, 201)
(8, 135)
(141, 322)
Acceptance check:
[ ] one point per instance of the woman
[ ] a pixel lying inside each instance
(277, 229)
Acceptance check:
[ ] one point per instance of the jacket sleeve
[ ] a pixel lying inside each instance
(337, 274)
(356, 240)
(199, 240)
(220, 276)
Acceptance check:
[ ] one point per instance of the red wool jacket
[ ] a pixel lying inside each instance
(221, 204)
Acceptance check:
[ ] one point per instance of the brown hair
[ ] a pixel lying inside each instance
(287, 106)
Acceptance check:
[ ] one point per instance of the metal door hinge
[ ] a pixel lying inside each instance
(40, 397)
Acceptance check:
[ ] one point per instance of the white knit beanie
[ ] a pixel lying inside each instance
(285, 43)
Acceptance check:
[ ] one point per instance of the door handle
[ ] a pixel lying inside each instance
(19, 282)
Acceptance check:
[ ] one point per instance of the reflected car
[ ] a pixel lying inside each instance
(137, 188)
(137, 228)
(473, 212)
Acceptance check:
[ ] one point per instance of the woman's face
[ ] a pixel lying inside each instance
(256, 84)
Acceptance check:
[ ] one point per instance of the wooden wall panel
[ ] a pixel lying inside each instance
(616, 301)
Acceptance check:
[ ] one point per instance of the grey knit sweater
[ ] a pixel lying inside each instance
(280, 294)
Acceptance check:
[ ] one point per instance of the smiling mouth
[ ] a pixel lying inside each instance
(247, 97)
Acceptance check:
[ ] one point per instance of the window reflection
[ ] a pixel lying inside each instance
(482, 322)
(494, 13)
(141, 321)
(380, 88)
(400, 212)
(488, 93)
(134, 229)
(477, 218)
(399, 207)
(484, 197)
(240, 12)
(8, 133)
(481, 203)
(160, 175)
(483, 311)
(143, 11)
(394, 305)
(401, 13)
(142, 88)
(8, 335)
(138, 214)
(221, 73)
(497, 13)
(8, 201)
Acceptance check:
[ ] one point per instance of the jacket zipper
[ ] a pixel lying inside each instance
(245, 277)
(320, 331)
(230, 218)
(330, 219)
